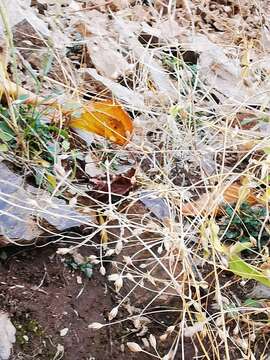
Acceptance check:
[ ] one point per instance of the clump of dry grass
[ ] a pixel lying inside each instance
(192, 136)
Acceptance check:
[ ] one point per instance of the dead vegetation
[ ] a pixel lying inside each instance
(139, 130)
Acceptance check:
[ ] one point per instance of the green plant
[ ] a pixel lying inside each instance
(244, 225)
(176, 64)
(28, 330)
(33, 137)
(28, 134)
(86, 268)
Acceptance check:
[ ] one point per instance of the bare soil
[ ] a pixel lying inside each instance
(43, 297)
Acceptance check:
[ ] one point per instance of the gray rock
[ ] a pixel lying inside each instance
(260, 291)
(7, 336)
(23, 209)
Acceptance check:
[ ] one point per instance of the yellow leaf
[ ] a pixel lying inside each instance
(52, 180)
(266, 196)
(104, 118)
(103, 233)
(209, 234)
(245, 59)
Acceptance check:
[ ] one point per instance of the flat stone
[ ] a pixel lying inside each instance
(24, 209)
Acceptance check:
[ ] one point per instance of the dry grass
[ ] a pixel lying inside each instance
(187, 141)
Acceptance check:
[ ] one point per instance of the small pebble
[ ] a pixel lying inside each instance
(63, 332)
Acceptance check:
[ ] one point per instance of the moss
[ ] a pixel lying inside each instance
(27, 330)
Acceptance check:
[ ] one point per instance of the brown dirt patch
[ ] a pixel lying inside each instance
(59, 303)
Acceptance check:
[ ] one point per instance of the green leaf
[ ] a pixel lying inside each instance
(21, 99)
(6, 134)
(232, 234)
(266, 150)
(87, 269)
(229, 210)
(238, 247)
(66, 145)
(252, 303)
(3, 148)
(241, 268)
(174, 111)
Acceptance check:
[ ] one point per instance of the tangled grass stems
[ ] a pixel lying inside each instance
(181, 133)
